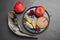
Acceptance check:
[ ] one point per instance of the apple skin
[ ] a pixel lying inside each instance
(19, 7)
(39, 11)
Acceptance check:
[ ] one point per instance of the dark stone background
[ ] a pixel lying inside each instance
(53, 8)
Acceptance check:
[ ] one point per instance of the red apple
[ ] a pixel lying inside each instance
(39, 11)
(19, 7)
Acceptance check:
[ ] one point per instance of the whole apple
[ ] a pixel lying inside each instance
(19, 7)
(39, 11)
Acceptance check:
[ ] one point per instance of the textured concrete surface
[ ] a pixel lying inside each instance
(53, 8)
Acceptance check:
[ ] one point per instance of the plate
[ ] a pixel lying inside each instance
(35, 19)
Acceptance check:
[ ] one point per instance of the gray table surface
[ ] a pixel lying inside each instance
(53, 8)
